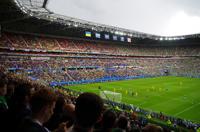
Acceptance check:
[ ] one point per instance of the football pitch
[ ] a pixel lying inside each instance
(174, 96)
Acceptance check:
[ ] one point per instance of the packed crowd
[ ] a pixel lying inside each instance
(81, 60)
(76, 69)
(27, 105)
(29, 42)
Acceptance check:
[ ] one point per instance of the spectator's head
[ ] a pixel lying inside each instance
(69, 109)
(88, 109)
(69, 114)
(122, 122)
(42, 104)
(109, 119)
(11, 87)
(3, 84)
(59, 104)
(22, 92)
(134, 115)
(152, 128)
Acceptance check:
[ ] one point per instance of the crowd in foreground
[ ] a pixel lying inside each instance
(28, 106)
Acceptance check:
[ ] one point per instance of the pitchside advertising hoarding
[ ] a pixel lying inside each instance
(107, 36)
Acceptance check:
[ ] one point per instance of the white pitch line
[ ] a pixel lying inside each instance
(142, 103)
(187, 109)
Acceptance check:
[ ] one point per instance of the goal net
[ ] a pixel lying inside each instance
(109, 95)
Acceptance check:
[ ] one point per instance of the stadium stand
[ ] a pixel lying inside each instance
(38, 58)
(49, 64)
(68, 67)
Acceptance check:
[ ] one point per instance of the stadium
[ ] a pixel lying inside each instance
(156, 78)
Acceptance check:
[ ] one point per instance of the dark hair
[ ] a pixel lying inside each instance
(22, 90)
(42, 98)
(122, 122)
(3, 79)
(152, 128)
(109, 118)
(88, 109)
(59, 104)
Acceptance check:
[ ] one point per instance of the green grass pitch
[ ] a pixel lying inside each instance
(175, 96)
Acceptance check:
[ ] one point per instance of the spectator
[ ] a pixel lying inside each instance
(19, 106)
(10, 91)
(42, 105)
(108, 121)
(3, 91)
(3, 102)
(152, 128)
(57, 116)
(69, 114)
(88, 111)
(122, 124)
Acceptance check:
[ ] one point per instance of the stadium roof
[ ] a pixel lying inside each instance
(32, 16)
(161, 17)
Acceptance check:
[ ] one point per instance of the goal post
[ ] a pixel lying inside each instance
(113, 96)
